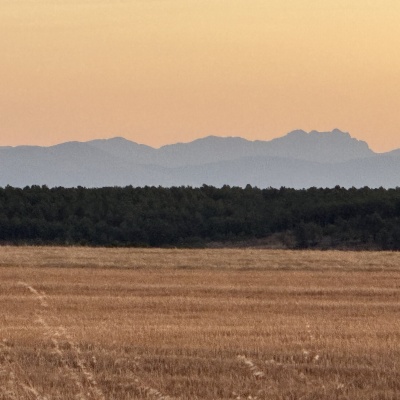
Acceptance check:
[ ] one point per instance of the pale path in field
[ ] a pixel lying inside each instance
(82, 377)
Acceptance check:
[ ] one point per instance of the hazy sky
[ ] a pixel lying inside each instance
(162, 71)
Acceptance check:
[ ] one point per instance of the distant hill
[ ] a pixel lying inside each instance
(298, 160)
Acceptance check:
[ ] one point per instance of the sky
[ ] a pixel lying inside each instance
(166, 71)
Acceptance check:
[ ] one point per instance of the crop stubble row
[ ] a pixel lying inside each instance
(198, 324)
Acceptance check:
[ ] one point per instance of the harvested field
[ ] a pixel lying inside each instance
(82, 323)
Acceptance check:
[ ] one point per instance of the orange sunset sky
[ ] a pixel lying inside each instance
(162, 71)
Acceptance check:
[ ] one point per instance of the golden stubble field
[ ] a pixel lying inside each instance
(81, 323)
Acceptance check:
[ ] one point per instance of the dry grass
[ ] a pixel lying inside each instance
(80, 323)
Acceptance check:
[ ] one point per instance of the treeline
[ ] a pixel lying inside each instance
(191, 217)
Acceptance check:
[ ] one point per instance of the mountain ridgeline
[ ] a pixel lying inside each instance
(297, 160)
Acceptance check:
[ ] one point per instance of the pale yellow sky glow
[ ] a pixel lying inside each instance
(162, 71)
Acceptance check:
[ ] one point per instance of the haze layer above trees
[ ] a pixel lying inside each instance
(297, 160)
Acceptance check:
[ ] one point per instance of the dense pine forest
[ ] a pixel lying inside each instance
(206, 216)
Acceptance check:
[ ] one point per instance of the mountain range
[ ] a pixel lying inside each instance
(298, 159)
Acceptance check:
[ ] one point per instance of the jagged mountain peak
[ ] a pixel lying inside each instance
(314, 134)
(298, 159)
(333, 132)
